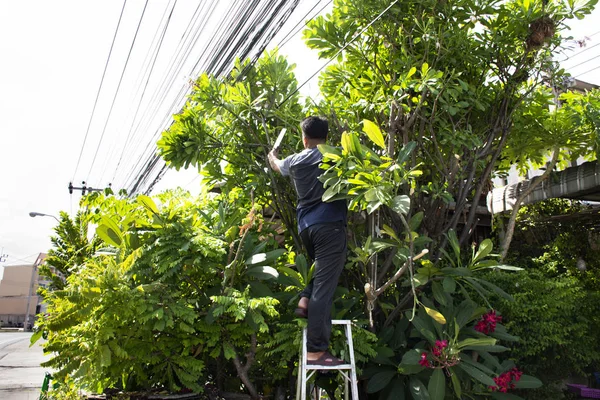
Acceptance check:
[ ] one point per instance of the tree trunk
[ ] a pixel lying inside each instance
(535, 182)
(242, 369)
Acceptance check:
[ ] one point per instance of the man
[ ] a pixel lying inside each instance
(322, 227)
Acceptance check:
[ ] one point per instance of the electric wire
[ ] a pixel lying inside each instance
(589, 70)
(98, 93)
(118, 87)
(217, 43)
(585, 62)
(580, 52)
(338, 52)
(300, 22)
(174, 70)
(153, 63)
(305, 23)
(144, 70)
(167, 84)
(250, 32)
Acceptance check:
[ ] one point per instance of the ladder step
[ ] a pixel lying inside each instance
(335, 367)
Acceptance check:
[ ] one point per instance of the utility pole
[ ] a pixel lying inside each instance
(36, 264)
(84, 188)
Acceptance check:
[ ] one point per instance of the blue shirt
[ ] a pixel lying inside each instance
(304, 169)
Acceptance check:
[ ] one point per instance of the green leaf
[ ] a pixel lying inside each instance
(263, 272)
(380, 380)
(401, 204)
(449, 285)
(418, 389)
(528, 382)
(473, 342)
(438, 293)
(290, 273)
(489, 349)
(264, 258)
(105, 356)
(109, 235)
(437, 385)
(374, 133)
(415, 221)
(390, 232)
(424, 328)
(505, 268)
(148, 203)
(455, 383)
(325, 149)
(485, 248)
(465, 313)
(504, 336)
(453, 240)
(395, 391)
(477, 374)
(495, 289)
(405, 152)
(35, 337)
(412, 357)
(228, 351)
(411, 72)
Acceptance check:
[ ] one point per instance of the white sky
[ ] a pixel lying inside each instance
(53, 55)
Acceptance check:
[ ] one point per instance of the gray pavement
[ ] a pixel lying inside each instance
(21, 375)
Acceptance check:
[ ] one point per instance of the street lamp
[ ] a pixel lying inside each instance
(34, 214)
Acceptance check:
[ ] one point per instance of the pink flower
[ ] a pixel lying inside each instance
(423, 361)
(487, 323)
(506, 380)
(439, 347)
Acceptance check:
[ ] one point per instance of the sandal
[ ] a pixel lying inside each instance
(301, 312)
(326, 360)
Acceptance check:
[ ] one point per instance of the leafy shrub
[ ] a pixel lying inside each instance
(557, 323)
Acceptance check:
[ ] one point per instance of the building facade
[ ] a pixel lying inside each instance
(18, 290)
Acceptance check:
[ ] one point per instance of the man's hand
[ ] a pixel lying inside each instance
(273, 160)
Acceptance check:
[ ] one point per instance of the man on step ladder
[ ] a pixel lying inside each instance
(322, 227)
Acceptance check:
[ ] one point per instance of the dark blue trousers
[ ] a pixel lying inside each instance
(326, 245)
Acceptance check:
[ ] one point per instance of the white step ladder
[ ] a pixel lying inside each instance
(348, 371)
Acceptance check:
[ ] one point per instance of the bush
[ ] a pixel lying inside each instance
(556, 320)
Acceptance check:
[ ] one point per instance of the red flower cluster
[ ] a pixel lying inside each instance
(487, 323)
(439, 347)
(506, 380)
(424, 361)
(437, 351)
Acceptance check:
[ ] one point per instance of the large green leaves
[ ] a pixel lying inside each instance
(437, 385)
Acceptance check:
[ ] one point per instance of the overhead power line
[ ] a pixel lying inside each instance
(585, 62)
(289, 36)
(153, 63)
(244, 33)
(99, 90)
(117, 91)
(338, 52)
(589, 70)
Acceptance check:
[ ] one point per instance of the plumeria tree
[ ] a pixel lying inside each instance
(427, 101)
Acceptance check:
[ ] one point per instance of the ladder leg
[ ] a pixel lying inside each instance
(353, 381)
(303, 365)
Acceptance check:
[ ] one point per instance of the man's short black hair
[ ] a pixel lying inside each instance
(315, 127)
